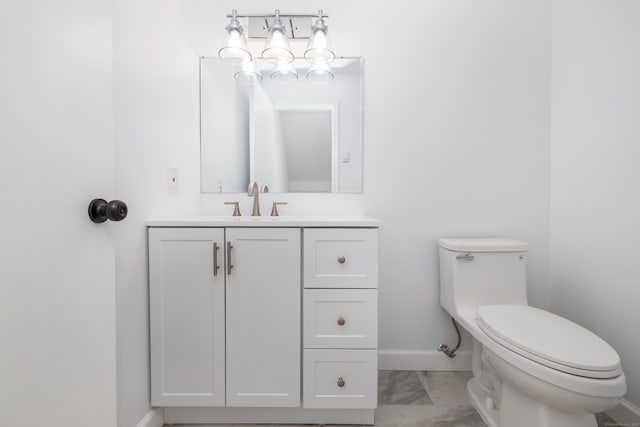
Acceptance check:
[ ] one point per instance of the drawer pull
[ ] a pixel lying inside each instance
(341, 260)
(341, 321)
(340, 382)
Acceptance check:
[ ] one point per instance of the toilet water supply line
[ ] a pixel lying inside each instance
(445, 348)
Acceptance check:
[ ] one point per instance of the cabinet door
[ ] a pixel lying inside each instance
(263, 317)
(187, 317)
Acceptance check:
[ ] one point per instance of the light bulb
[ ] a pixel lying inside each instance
(277, 48)
(235, 44)
(319, 46)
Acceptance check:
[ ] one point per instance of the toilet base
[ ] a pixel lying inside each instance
(483, 403)
(516, 409)
(519, 410)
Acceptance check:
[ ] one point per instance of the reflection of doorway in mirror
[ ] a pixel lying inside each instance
(310, 141)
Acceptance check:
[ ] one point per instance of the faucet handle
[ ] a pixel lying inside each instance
(264, 189)
(236, 210)
(274, 209)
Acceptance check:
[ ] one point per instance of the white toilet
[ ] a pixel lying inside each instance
(531, 368)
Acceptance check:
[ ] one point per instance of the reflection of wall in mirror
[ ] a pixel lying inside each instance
(267, 159)
(224, 129)
(344, 93)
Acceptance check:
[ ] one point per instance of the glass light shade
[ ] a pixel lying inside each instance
(319, 46)
(277, 48)
(235, 44)
(249, 72)
(284, 73)
(319, 72)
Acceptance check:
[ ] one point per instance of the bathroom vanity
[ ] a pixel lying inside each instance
(264, 319)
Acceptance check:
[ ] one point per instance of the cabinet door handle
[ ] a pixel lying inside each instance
(341, 382)
(216, 267)
(341, 259)
(229, 265)
(341, 321)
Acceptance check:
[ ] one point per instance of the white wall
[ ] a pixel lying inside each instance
(456, 143)
(595, 151)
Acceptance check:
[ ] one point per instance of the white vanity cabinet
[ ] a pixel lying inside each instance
(263, 320)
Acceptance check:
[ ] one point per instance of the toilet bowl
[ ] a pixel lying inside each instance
(531, 368)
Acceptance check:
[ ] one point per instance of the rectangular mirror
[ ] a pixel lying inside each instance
(295, 137)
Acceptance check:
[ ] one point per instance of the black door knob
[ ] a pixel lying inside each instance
(100, 210)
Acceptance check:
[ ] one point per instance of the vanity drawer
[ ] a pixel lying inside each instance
(341, 258)
(340, 379)
(340, 318)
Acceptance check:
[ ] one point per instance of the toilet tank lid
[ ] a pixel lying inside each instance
(483, 245)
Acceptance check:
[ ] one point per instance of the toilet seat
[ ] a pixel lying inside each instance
(549, 339)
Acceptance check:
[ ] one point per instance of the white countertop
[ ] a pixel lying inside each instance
(265, 221)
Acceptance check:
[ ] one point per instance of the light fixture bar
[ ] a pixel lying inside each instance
(296, 28)
(282, 15)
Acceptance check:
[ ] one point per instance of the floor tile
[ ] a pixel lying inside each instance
(401, 388)
(605, 420)
(446, 388)
(427, 416)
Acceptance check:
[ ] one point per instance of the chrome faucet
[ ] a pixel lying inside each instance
(253, 191)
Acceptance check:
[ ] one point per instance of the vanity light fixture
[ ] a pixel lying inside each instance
(319, 45)
(278, 29)
(277, 49)
(235, 44)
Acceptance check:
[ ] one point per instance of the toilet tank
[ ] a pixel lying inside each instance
(476, 272)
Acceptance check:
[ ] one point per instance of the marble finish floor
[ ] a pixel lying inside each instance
(432, 399)
(426, 399)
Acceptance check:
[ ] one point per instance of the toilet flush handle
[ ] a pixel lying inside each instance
(465, 257)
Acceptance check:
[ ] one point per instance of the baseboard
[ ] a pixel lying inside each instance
(626, 413)
(153, 418)
(631, 407)
(422, 360)
(178, 415)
